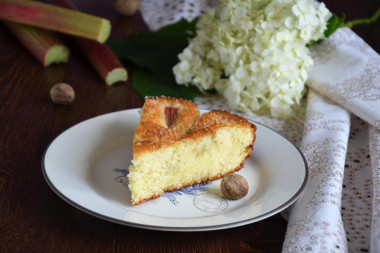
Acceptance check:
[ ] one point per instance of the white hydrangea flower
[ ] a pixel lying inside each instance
(254, 52)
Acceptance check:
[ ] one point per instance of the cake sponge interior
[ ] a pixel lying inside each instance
(206, 155)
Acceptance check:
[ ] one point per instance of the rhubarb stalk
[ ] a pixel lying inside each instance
(100, 55)
(104, 61)
(55, 18)
(43, 46)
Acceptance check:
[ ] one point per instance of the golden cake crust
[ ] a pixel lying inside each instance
(153, 128)
(206, 124)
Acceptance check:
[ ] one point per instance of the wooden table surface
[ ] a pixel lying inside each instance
(32, 217)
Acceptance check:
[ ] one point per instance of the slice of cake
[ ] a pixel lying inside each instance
(174, 147)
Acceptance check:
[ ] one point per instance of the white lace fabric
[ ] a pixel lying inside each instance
(340, 122)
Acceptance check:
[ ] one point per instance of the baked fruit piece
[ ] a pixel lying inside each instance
(174, 147)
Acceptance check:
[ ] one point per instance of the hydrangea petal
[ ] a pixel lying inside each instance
(254, 52)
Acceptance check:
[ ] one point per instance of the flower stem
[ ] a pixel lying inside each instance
(363, 21)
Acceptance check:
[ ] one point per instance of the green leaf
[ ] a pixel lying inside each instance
(145, 83)
(156, 53)
(333, 24)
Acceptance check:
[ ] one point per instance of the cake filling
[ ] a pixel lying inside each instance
(171, 114)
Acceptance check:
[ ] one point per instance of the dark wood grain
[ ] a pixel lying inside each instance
(32, 217)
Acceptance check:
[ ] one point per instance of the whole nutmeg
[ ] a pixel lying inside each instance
(62, 94)
(234, 186)
(126, 7)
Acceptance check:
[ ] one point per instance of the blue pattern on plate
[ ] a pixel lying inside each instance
(191, 190)
(122, 171)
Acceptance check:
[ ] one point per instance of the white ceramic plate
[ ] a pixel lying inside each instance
(87, 165)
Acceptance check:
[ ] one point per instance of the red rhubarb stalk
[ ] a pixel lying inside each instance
(42, 45)
(171, 114)
(104, 61)
(55, 18)
(100, 55)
